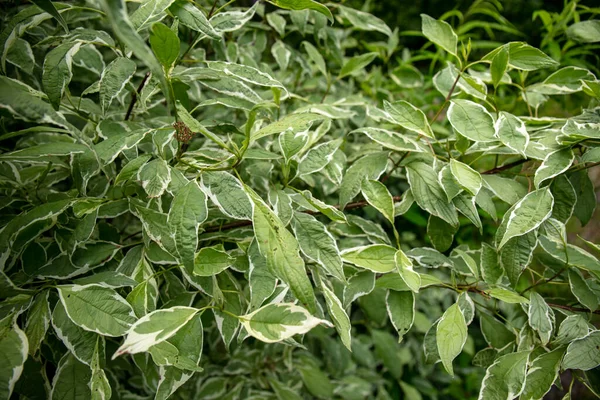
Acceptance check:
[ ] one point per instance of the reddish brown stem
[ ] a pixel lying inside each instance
(239, 224)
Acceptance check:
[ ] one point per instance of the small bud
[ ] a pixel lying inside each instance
(182, 132)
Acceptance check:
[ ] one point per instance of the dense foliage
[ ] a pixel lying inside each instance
(283, 201)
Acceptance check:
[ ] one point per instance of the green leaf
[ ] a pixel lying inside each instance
(292, 143)
(38, 320)
(401, 310)
(227, 193)
(464, 263)
(507, 190)
(165, 44)
(554, 164)
(44, 150)
(57, 71)
(591, 88)
(584, 353)
(491, 271)
(360, 284)
(290, 123)
(22, 223)
(79, 341)
(386, 349)
(370, 166)
(440, 33)
(276, 322)
(282, 204)
(573, 327)
(582, 291)
(573, 132)
(116, 12)
(188, 211)
(356, 63)
(130, 170)
(440, 233)
(586, 198)
(499, 65)
(512, 132)
(407, 76)
(48, 7)
(262, 283)
(541, 317)
(14, 349)
(507, 296)
(467, 307)
(97, 309)
(376, 257)
(317, 244)
(278, 23)
(190, 16)
(211, 261)
(99, 385)
(466, 176)
(585, 31)
(316, 381)
(108, 150)
(405, 269)
(379, 197)
(565, 198)
(149, 12)
(303, 5)
(573, 255)
(526, 215)
(247, 74)
(329, 211)
(466, 205)
(154, 328)
(505, 379)
(21, 56)
(318, 157)
(541, 374)
(339, 317)
(428, 193)
(155, 177)
(313, 54)
(527, 58)
(171, 379)
(409, 117)
(281, 250)
(449, 183)
(71, 380)
(114, 79)
(564, 81)
(471, 120)
(364, 21)
(390, 140)
(283, 392)
(182, 350)
(451, 335)
(230, 21)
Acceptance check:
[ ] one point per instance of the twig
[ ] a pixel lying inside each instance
(212, 10)
(574, 309)
(447, 99)
(387, 176)
(544, 281)
(396, 164)
(484, 294)
(505, 167)
(239, 224)
(134, 96)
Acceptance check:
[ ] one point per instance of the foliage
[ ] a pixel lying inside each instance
(208, 201)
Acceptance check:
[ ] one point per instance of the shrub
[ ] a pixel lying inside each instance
(253, 202)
